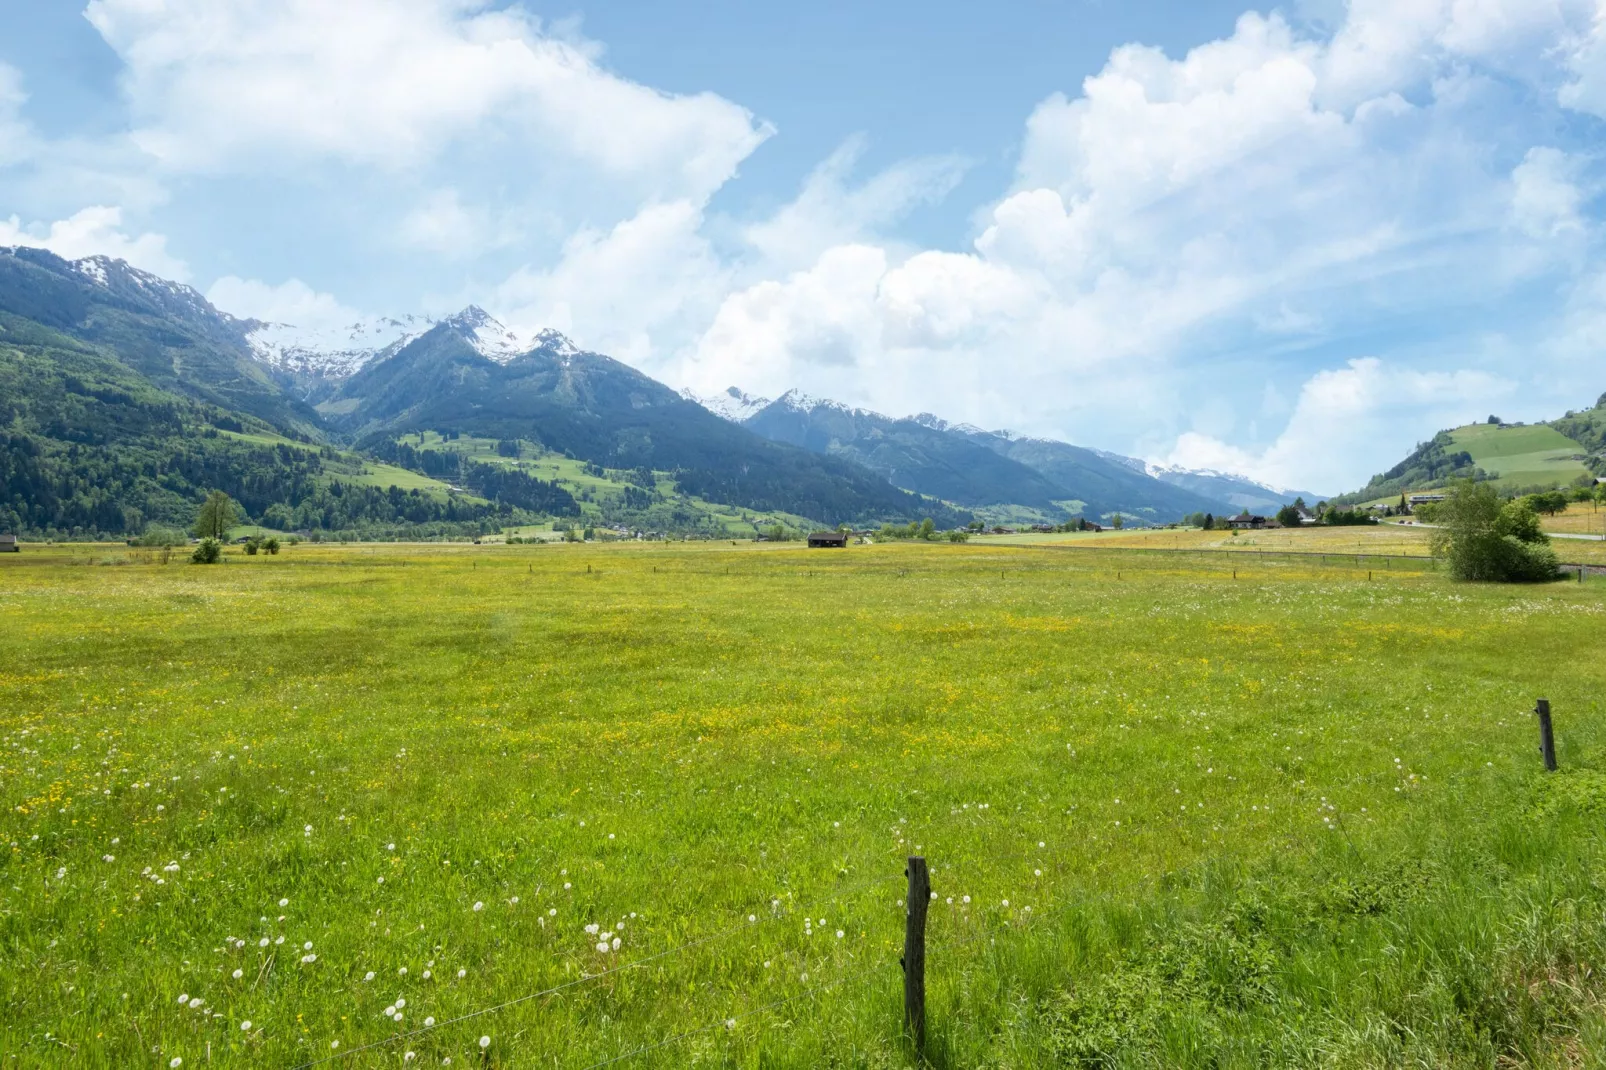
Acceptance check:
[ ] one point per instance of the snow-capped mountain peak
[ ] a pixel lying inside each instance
(732, 403)
(488, 337)
(555, 342)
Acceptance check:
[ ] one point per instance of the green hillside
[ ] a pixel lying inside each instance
(1513, 456)
(1522, 455)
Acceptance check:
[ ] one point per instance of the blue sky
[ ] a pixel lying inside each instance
(1286, 241)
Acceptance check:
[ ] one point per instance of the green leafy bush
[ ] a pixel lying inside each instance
(207, 552)
(1484, 539)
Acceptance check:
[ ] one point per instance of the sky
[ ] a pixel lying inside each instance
(1289, 242)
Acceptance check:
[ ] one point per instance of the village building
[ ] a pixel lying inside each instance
(1245, 522)
(8, 544)
(828, 538)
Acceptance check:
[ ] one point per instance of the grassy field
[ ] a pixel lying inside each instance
(1356, 543)
(1522, 456)
(1174, 818)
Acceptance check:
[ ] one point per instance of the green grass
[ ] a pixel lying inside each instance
(1522, 456)
(1289, 819)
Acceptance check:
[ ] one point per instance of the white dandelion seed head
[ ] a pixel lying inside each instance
(552, 912)
(429, 1022)
(402, 972)
(175, 1062)
(839, 934)
(238, 974)
(409, 1057)
(263, 942)
(426, 975)
(479, 906)
(184, 997)
(197, 1003)
(513, 901)
(245, 1026)
(602, 945)
(462, 973)
(485, 1042)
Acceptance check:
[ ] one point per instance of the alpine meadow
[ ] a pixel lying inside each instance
(559, 805)
(900, 536)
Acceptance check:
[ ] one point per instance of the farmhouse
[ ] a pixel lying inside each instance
(8, 544)
(1243, 521)
(828, 538)
(1424, 499)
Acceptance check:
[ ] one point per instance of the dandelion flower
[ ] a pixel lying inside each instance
(245, 1026)
(197, 1003)
(567, 886)
(334, 1043)
(428, 1022)
(381, 880)
(369, 976)
(479, 906)
(184, 997)
(263, 942)
(409, 1057)
(1006, 902)
(552, 913)
(1037, 873)
(400, 1003)
(176, 1062)
(309, 958)
(402, 972)
(752, 917)
(616, 943)
(307, 946)
(390, 846)
(108, 858)
(426, 975)
(485, 1042)
(238, 974)
(462, 973)
(839, 934)
(966, 899)
(389, 1011)
(602, 945)
(514, 901)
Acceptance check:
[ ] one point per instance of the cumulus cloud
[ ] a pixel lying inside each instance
(1346, 421)
(290, 302)
(1258, 196)
(97, 231)
(15, 136)
(223, 84)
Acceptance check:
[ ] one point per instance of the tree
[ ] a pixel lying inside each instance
(927, 528)
(1494, 420)
(216, 517)
(1288, 516)
(1484, 539)
(207, 552)
(1116, 521)
(1209, 522)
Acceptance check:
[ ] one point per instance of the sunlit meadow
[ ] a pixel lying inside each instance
(654, 802)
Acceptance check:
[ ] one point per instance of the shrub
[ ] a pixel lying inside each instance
(270, 545)
(207, 552)
(1486, 540)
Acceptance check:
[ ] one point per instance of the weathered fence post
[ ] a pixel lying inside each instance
(1547, 738)
(914, 952)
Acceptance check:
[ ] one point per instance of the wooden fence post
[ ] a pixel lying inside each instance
(914, 951)
(1547, 738)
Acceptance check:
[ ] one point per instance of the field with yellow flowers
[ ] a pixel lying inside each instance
(648, 805)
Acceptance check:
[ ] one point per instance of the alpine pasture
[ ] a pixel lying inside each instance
(562, 805)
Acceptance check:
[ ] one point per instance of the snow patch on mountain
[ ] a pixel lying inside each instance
(490, 338)
(731, 404)
(333, 352)
(339, 351)
(555, 342)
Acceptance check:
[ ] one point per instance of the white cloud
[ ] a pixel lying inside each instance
(1546, 199)
(15, 136)
(623, 290)
(222, 84)
(290, 302)
(1259, 196)
(96, 231)
(1345, 421)
(830, 211)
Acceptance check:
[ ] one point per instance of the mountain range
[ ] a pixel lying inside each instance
(1010, 476)
(127, 396)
